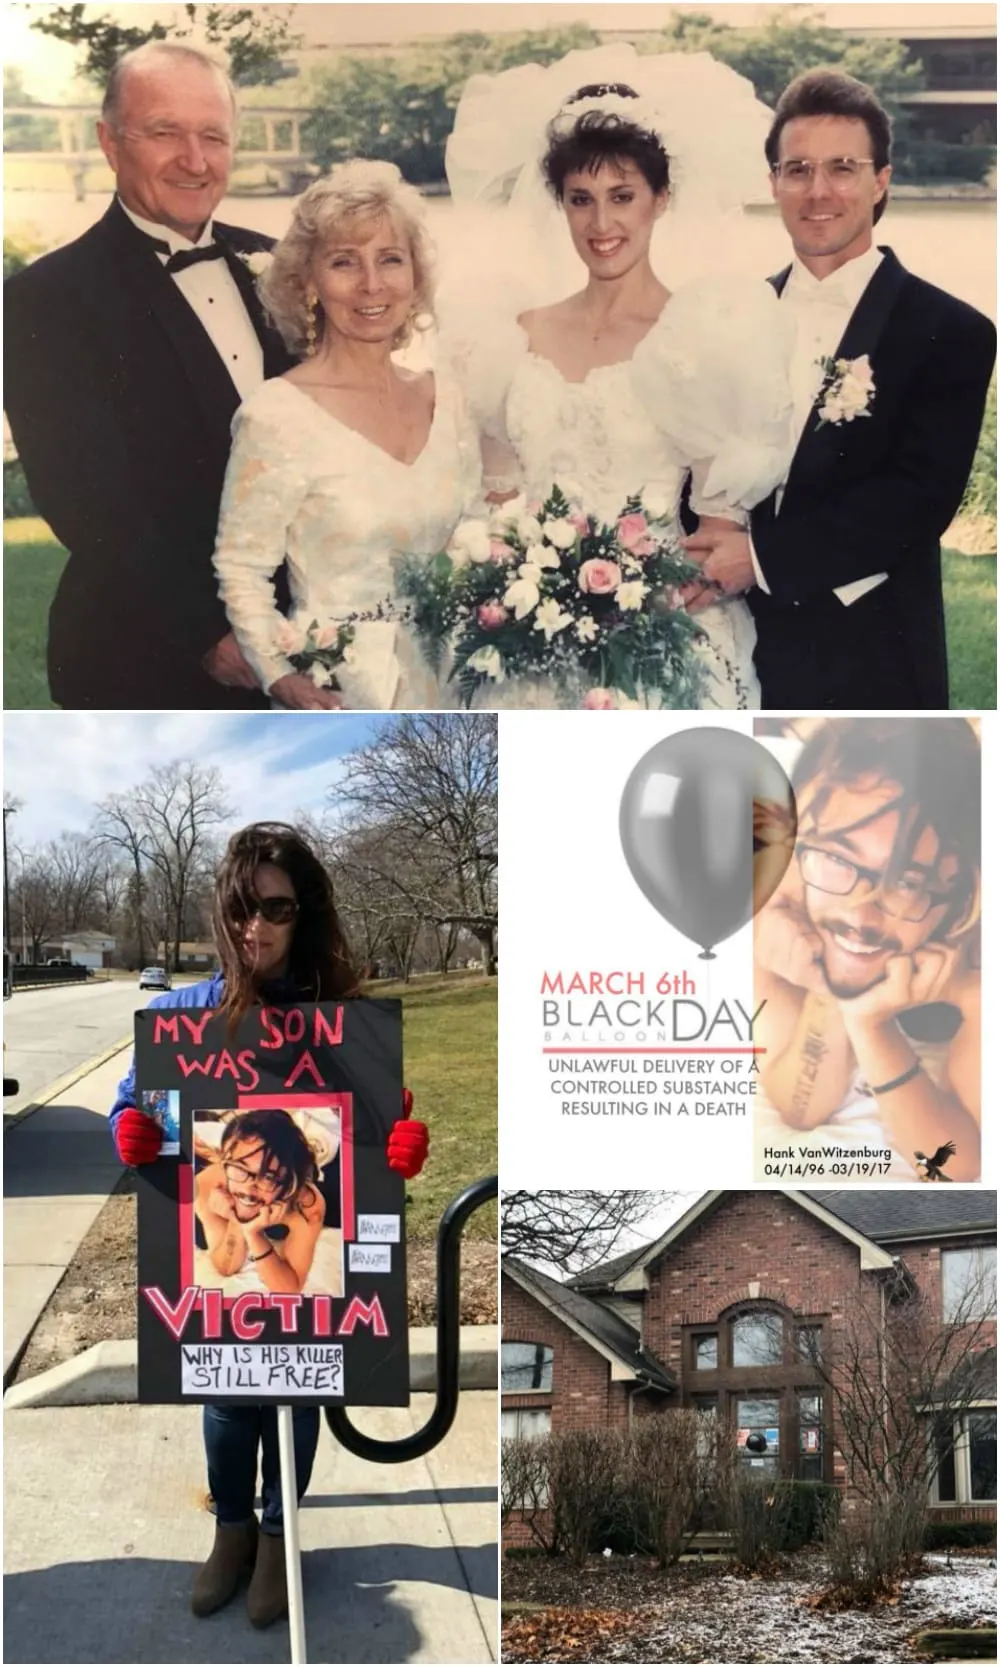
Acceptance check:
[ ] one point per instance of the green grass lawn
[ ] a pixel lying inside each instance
(33, 562)
(450, 1063)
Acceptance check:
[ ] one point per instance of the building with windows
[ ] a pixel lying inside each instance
(739, 1310)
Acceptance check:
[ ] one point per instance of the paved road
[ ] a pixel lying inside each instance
(50, 1032)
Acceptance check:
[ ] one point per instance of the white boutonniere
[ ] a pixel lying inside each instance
(847, 390)
(257, 261)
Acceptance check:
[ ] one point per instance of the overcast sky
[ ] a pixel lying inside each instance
(49, 66)
(59, 764)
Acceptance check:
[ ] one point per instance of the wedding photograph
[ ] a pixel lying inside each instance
(868, 954)
(380, 357)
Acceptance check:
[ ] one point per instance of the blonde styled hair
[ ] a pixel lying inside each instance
(352, 191)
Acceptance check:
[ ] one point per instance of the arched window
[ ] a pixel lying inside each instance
(525, 1368)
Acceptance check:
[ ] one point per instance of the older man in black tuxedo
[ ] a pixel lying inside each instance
(890, 377)
(127, 353)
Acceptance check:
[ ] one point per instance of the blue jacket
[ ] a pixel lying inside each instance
(208, 992)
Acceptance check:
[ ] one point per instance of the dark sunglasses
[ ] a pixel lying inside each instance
(277, 911)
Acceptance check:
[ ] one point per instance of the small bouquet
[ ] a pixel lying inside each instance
(355, 655)
(316, 650)
(545, 590)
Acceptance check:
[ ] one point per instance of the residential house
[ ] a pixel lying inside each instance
(732, 1311)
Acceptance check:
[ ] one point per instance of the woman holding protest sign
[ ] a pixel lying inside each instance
(279, 940)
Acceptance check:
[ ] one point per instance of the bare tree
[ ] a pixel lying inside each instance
(425, 792)
(572, 1231)
(75, 862)
(180, 806)
(111, 893)
(902, 1376)
(34, 902)
(120, 827)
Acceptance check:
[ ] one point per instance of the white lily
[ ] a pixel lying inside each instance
(541, 555)
(523, 594)
(550, 618)
(586, 629)
(488, 661)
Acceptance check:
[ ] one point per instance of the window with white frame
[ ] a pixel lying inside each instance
(525, 1368)
(966, 1462)
(529, 1423)
(969, 1283)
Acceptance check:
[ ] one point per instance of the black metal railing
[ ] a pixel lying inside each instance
(449, 1251)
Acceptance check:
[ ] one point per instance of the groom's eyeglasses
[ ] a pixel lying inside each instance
(842, 173)
(908, 898)
(277, 911)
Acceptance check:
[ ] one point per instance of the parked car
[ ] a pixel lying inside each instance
(58, 961)
(154, 978)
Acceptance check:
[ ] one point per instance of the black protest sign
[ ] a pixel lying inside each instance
(272, 1261)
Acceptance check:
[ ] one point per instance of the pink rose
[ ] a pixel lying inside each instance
(499, 551)
(580, 521)
(599, 700)
(599, 578)
(633, 535)
(491, 615)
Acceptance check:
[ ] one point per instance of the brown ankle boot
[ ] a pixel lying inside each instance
(268, 1594)
(216, 1581)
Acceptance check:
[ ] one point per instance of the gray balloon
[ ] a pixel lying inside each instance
(707, 825)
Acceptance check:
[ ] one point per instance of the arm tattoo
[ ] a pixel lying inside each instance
(813, 1049)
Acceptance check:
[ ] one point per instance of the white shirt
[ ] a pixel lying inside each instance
(213, 294)
(822, 309)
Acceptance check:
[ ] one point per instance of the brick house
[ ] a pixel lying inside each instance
(729, 1311)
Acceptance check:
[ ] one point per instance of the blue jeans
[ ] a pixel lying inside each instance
(232, 1437)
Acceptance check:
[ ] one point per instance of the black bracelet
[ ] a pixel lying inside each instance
(268, 1252)
(897, 1082)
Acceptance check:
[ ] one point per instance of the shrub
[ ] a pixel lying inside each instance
(981, 492)
(938, 1536)
(585, 1468)
(805, 1510)
(19, 250)
(757, 1514)
(870, 1550)
(16, 497)
(669, 1470)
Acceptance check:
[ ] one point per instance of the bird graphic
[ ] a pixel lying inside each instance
(933, 1167)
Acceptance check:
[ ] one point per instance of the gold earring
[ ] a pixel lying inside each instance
(312, 305)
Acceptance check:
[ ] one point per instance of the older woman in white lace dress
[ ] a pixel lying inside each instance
(350, 458)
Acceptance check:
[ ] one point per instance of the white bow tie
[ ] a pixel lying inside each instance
(833, 292)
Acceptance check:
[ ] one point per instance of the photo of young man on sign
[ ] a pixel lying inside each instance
(267, 1206)
(868, 956)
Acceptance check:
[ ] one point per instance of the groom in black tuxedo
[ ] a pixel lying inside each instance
(127, 353)
(844, 560)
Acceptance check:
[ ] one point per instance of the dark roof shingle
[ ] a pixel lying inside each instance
(602, 1323)
(929, 1211)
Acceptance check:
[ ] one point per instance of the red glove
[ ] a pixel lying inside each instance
(408, 1143)
(137, 1137)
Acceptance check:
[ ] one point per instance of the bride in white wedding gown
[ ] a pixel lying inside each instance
(622, 388)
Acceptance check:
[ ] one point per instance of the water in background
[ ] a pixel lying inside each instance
(952, 244)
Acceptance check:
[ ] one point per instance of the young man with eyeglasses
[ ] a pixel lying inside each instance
(842, 564)
(867, 957)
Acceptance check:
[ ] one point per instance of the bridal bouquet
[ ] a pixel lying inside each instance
(544, 590)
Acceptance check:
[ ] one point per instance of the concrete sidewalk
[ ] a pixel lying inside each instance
(104, 1534)
(59, 1168)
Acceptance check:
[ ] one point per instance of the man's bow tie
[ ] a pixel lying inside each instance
(186, 257)
(833, 292)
